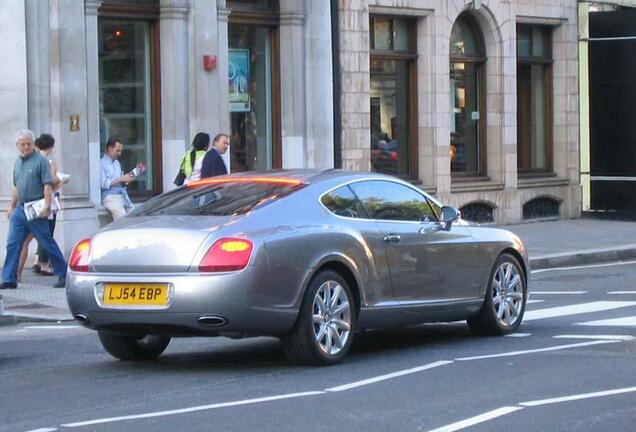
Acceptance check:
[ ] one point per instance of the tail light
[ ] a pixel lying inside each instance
(80, 257)
(227, 254)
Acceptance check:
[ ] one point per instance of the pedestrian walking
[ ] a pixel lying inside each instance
(28, 211)
(213, 164)
(44, 144)
(191, 162)
(113, 182)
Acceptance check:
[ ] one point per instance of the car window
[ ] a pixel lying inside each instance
(217, 199)
(343, 202)
(387, 200)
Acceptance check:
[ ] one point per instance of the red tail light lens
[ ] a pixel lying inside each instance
(227, 254)
(80, 257)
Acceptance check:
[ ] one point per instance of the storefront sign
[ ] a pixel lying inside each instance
(239, 80)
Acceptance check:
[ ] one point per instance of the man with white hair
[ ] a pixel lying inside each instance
(32, 181)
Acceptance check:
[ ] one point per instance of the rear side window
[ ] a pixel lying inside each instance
(343, 202)
(218, 199)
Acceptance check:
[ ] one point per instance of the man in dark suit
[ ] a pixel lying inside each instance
(213, 164)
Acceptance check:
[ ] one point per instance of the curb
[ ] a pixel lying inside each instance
(10, 319)
(587, 256)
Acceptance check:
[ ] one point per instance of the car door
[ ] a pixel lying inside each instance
(426, 263)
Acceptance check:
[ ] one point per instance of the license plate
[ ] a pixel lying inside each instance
(135, 294)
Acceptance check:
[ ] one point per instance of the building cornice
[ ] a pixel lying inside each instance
(292, 19)
(174, 9)
(92, 6)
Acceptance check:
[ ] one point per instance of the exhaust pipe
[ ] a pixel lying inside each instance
(81, 318)
(212, 321)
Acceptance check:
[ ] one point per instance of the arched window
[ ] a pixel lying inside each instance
(467, 93)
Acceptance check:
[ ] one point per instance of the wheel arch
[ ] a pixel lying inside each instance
(515, 253)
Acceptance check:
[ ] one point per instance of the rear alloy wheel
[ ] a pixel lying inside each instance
(505, 300)
(133, 348)
(324, 330)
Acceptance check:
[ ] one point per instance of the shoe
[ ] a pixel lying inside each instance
(61, 283)
(8, 285)
(46, 273)
(37, 269)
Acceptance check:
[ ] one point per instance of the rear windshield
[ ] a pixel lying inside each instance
(219, 199)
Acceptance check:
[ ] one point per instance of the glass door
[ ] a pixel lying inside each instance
(250, 94)
(125, 94)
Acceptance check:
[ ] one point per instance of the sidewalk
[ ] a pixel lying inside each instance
(549, 244)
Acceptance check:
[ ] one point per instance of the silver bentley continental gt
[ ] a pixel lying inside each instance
(310, 257)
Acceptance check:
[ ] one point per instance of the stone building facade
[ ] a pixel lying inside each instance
(443, 41)
(424, 89)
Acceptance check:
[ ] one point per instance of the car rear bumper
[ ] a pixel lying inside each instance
(225, 304)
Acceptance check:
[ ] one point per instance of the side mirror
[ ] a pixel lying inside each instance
(449, 215)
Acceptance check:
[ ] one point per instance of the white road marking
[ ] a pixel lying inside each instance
(43, 430)
(518, 335)
(578, 397)
(52, 327)
(584, 266)
(629, 321)
(575, 309)
(193, 409)
(537, 350)
(603, 337)
(534, 301)
(477, 419)
(557, 292)
(621, 292)
(388, 376)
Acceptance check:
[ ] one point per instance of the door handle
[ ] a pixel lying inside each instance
(391, 238)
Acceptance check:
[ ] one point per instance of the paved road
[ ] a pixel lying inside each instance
(577, 341)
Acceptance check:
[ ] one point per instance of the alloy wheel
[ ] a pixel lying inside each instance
(507, 294)
(331, 317)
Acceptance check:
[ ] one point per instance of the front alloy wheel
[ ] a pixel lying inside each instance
(505, 300)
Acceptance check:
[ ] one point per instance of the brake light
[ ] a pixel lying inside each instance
(227, 254)
(80, 257)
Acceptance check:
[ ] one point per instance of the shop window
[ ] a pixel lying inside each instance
(393, 96)
(534, 101)
(126, 87)
(467, 101)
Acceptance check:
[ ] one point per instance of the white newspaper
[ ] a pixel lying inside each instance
(32, 209)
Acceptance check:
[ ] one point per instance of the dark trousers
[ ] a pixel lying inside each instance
(19, 228)
(43, 257)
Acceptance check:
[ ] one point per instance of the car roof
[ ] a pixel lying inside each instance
(307, 176)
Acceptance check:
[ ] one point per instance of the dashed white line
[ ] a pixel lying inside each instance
(477, 419)
(44, 430)
(603, 337)
(621, 292)
(584, 266)
(537, 350)
(518, 335)
(557, 292)
(576, 309)
(388, 376)
(534, 301)
(578, 397)
(52, 327)
(193, 409)
(629, 321)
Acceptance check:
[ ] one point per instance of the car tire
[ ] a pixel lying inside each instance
(505, 299)
(323, 331)
(133, 348)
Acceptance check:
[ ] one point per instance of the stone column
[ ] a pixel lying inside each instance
(92, 92)
(205, 111)
(292, 88)
(174, 85)
(319, 85)
(38, 70)
(13, 99)
(68, 66)
(223, 102)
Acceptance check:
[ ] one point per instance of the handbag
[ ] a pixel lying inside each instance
(180, 178)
